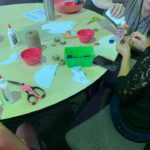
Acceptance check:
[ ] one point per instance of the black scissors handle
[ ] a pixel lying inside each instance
(39, 91)
(34, 99)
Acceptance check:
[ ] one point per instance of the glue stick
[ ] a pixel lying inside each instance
(12, 36)
(5, 89)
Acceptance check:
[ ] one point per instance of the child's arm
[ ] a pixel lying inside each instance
(9, 141)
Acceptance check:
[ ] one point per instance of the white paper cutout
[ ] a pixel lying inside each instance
(12, 58)
(105, 48)
(37, 15)
(44, 77)
(79, 75)
(56, 27)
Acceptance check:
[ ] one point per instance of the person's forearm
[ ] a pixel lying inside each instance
(125, 65)
(103, 4)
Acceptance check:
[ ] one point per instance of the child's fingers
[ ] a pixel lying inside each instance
(114, 10)
(119, 11)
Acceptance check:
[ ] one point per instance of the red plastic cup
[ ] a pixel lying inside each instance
(68, 7)
(70, 3)
(85, 35)
(31, 56)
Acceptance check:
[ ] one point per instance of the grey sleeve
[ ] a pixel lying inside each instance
(120, 1)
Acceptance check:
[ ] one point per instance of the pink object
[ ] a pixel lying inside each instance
(27, 88)
(85, 35)
(31, 56)
(67, 7)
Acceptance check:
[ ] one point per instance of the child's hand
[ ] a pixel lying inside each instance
(120, 31)
(117, 10)
(123, 48)
(139, 41)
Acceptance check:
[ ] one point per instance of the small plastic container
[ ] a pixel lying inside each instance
(79, 56)
(68, 7)
(32, 56)
(85, 35)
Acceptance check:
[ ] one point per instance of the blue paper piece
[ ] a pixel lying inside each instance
(37, 15)
(44, 77)
(57, 27)
(12, 58)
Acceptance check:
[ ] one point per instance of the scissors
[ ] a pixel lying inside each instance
(93, 19)
(34, 93)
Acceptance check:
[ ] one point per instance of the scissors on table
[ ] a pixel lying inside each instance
(34, 93)
(93, 19)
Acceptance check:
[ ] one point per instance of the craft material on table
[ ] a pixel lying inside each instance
(94, 19)
(58, 27)
(31, 56)
(44, 77)
(85, 35)
(12, 36)
(105, 41)
(43, 34)
(78, 54)
(6, 90)
(79, 75)
(106, 49)
(70, 34)
(68, 7)
(12, 58)
(33, 39)
(34, 93)
(37, 15)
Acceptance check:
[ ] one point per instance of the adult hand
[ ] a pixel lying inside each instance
(123, 48)
(117, 10)
(138, 41)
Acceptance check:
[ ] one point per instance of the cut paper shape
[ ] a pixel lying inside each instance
(37, 15)
(12, 58)
(105, 41)
(44, 77)
(105, 48)
(79, 75)
(56, 27)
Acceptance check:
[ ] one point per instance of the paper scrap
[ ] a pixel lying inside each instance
(56, 27)
(105, 48)
(44, 77)
(105, 41)
(37, 15)
(79, 75)
(12, 58)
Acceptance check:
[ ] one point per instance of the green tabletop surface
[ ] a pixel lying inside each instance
(63, 86)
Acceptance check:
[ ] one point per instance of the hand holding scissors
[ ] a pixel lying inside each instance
(34, 93)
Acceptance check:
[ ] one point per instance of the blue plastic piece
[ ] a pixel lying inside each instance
(111, 41)
(69, 56)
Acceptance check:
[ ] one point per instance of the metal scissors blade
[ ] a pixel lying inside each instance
(14, 82)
